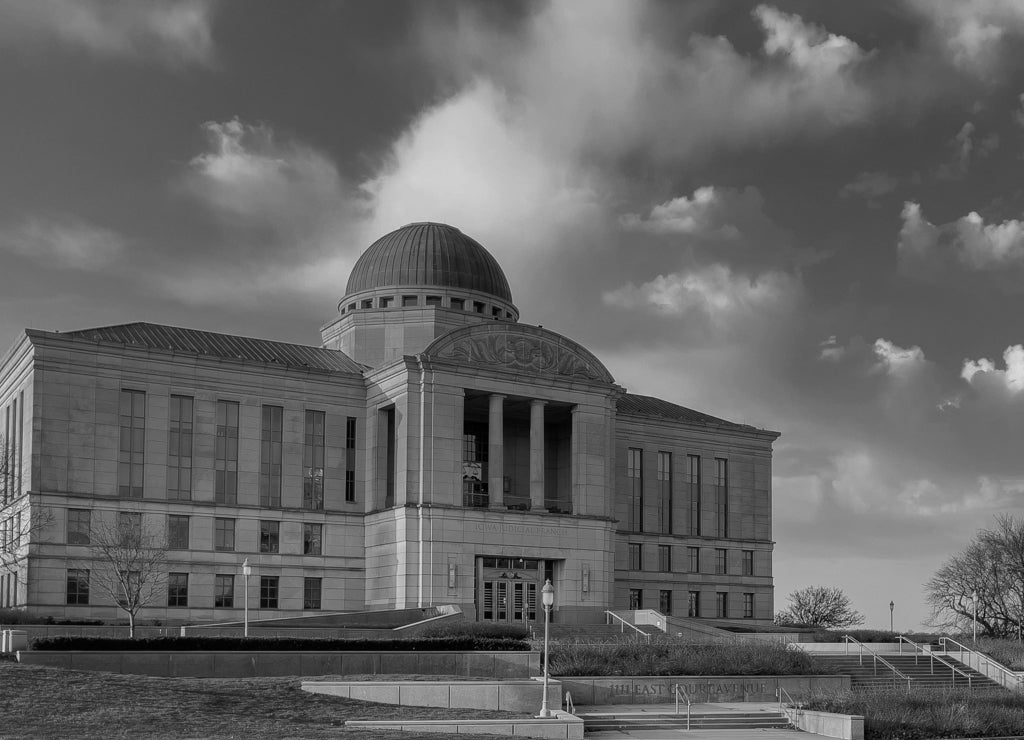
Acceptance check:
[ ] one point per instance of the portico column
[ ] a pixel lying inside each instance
(537, 454)
(496, 450)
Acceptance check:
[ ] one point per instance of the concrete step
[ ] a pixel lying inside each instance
(867, 673)
(671, 721)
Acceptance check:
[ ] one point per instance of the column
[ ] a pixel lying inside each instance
(496, 450)
(537, 455)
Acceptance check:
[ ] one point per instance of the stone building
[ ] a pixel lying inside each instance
(433, 450)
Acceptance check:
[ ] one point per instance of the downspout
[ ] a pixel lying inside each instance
(419, 507)
(433, 386)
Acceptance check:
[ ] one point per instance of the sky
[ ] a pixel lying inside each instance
(802, 215)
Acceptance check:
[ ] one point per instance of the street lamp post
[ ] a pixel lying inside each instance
(974, 602)
(547, 597)
(246, 572)
(892, 606)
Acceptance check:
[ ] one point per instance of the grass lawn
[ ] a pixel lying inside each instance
(40, 702)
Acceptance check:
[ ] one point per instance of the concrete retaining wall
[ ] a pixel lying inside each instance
(563, 726)
(238, 664)
(844, 726)
(509, 696)
(702, 689)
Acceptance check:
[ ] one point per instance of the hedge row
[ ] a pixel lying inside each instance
(291, 644)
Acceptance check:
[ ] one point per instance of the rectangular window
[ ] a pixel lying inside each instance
(433, 300)
(722, 605)
(226, 463)
(459, 304)
(132, 420)
(79, 525)
(313, 461)
(311, 588)
(177, 532)
(223, 592)
(665, 602)
(665, 492)
(270, 536)
(177, 589)
(77, 586)
(693, 604)
(721, 561)
(350, 458)
(665, 558)
(748, 562)
(693, 559)
(722, 497)
(478, 307)
(693, 492)
(636, 598)
(179, 448)
(748, 606)
(635, 474)
(385, 301)
(224, 534)
(408, 301)
(636, 556)
(268, 592)
(312, 539)
(270, 456)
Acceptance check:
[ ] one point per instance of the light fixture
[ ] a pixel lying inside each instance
(547, 598)
(246, 572)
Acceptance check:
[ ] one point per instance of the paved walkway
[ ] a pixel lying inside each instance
(700, 734)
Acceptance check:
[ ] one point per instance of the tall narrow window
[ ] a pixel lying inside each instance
(311, 591)
(665, 558)
(312, 539)
(77, 586)
(350, 458)
(179, 448)
(132, 419)
(177, 532)
(313, 461)
(748, 562)
(177, 589)
(693, 486)
(79, 526)
(722, 496)
(635, 474)
(224, 591)
(665, 602)
(270, 536)
(6, 458)
(223, 534)
(665, 492)
(270, 456)
(226, 453)
(636, 598)
(268, 592)
(693, 604)
(721, 561)
(636, 556)
(722, 605)
(693, 559)
(748, 606)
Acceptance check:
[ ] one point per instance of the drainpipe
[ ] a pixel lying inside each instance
(419, 507)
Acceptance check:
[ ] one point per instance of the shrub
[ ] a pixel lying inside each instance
(1010, 653)
(199, 642)
(873, 636)
(668, 657)
(926, 713)
(24, 616)
(474, 629)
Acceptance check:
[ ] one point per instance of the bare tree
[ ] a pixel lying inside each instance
(819, 606)
(984, 582)
(21, 519)
(127, 564)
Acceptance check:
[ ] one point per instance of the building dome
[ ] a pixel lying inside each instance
(428, 255)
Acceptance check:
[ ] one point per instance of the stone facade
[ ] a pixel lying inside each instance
(433, 450)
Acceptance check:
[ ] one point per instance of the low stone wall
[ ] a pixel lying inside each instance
(508, 696)
(703, 689)
(241, 664)
(844, 726)
(563, 726)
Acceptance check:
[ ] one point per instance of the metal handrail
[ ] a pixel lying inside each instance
(627, 624)
(896, 673)
(999, 666)
(677, 689)
(570, 707)
(933, 657)
(778, 693)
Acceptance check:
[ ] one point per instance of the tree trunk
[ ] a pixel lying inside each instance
(131, 625)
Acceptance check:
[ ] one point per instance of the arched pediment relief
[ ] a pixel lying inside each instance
(519, 348)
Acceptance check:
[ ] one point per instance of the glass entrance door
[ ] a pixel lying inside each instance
(508, 594)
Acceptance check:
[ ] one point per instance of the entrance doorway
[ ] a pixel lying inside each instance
(507, 589)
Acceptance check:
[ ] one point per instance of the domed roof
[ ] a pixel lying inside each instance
(428, 254)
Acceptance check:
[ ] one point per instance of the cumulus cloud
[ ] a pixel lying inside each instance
(964, 149)
(713, 213)
(968, 241)
(895, 360)
(831, 350)
(973, 34)
(870, 186)
(177, 31)
(65, 242)
(714, 291)
(983, 373)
